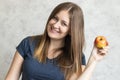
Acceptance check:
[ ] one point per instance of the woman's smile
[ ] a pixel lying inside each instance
(53, 30)
(58, 26)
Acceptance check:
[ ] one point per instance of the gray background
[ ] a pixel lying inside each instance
(22, 18)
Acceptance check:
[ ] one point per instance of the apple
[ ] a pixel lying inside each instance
(100, 42)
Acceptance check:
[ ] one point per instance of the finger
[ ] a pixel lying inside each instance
(107, 47)
(102, 52)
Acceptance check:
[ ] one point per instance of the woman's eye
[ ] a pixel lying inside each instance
(55, 18)
(64, 24)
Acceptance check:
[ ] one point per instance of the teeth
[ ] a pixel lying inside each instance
(54, 30)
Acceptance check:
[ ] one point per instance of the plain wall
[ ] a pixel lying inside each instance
(22, 18)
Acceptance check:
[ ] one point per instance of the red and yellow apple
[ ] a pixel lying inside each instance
(100, 42)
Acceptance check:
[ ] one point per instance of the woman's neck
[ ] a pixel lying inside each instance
(54, 44)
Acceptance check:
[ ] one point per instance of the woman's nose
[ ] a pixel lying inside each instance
(57, 25)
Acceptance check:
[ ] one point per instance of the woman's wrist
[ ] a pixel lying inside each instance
(86, 74)
(92, 60)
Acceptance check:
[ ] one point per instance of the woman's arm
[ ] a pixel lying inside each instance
(88, 69)
(15, 68)
(96, 55)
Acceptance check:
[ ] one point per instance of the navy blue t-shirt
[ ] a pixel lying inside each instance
(33, 69)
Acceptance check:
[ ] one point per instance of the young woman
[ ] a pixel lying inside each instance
(57, 54)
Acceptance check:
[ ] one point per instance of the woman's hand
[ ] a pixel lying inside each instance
(98, 54)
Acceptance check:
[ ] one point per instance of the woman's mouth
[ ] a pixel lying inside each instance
(54, 30)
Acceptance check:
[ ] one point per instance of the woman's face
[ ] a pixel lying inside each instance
(58, 26)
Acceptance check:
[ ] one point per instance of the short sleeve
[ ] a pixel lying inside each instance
(83, 60)
(23, 47)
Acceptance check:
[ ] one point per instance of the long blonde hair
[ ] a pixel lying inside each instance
(70, 60)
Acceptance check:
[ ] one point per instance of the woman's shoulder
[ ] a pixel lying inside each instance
(34, 40)
(28, 44)
(30, 40)
(34, 37)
